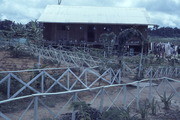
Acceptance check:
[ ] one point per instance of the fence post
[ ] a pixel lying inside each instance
(137, 97)
(150, 88)
(101, 100)
(68, 86)
(110, 75)
(124, 97)
(39, 62)
(119, 80)
(42, 83)
(85, 75)
(123, 69)
(9, 86)
(176, 71)
(36, 98)
(74, 112)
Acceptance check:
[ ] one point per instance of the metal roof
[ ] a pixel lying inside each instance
(98, 15)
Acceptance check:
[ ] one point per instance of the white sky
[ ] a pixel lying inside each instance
(162, 12)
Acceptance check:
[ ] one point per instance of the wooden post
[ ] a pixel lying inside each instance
(140, 63)
(119, 80)
(39, 62)
(101, 100)
(68, 86)
(74, 112)
(150, 89)
(124, 97)
(36, 108)
(138, 97)
(9, 86)
(42, 82)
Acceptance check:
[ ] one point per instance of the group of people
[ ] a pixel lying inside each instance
(165, 49)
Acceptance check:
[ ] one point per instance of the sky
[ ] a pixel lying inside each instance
(162, 12)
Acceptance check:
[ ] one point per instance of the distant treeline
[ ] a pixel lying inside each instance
(10, 30)
(166, 32)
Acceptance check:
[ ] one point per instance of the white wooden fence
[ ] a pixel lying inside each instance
(103, 98)
(66, 79)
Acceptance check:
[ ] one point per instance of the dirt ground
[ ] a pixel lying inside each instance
(55, 103)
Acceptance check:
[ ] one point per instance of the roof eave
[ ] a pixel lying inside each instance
(99, 23)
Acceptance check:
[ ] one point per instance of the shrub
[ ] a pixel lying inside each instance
(118, 114)
(166, 100)
(85, 112)
(154, 106)
(144, 109)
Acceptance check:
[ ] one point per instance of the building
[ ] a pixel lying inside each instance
(84, 24)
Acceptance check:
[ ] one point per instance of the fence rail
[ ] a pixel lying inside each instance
(163, 71)
(77, 58)
(55, 79)
(100, 99)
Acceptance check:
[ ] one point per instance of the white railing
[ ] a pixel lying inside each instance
(103, 98)
(55, 79)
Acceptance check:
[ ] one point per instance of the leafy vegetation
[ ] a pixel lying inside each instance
(154, 106)
(85, 112)
(166, 32)
(108, 41)
(144, 109)
(126, 35)
(10, 30)
(166, 100)
(118, 114)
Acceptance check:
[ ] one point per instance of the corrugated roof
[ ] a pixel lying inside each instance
(99, 15)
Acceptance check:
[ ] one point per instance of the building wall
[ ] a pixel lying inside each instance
(83, 33)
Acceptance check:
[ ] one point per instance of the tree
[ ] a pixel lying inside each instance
(6, 29)
(9, 30)
(108, 40)
(34, 32)
(126, 35)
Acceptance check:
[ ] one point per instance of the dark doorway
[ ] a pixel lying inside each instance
(134, 49)
(91, 34)
(47, 34)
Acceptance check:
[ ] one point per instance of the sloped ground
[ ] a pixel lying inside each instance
(10, 61)
(55, 103)
(7, 62)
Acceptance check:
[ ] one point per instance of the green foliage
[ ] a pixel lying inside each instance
(118, 114)
(19, 30)
(34, 32)
(126, 35)
(6, 29)
(165, 32)
(17, 52)
(9, 30)
(108, 41)
(173, 40)
(144, 109)
(85, 112)
(154, 106)
(166, 100)
(15, 86)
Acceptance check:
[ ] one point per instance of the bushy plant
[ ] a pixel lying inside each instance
(166, 100)
(85, 112)
(154, 106)
(108, 41)
(144, 109)
(118, 114)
